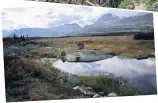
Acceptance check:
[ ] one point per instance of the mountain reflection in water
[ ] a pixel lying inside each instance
(140, 73)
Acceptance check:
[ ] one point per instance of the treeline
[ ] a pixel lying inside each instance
(137, 35)
(15, 39)
(143, 36)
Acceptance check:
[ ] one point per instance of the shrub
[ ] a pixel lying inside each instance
(143, 36)
(105, 84)
(27, 80)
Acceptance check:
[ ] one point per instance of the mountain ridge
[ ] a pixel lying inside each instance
(106, 23)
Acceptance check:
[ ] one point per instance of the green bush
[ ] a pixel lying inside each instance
(106, 85)
(27, 84)
(143, 36)
(124, 4)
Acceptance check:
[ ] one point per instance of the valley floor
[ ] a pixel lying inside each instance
(28, 79)
(126, 46)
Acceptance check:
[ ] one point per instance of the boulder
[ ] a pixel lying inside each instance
(145, 56)
(13, 47)
(76, 88)
(96, 96)
(101, 93)
(87, 91)
(80, 45)
(112, 94)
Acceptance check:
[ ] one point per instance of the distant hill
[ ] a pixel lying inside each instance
(109, 23)
(6, 32)
(67, 28)
(144, 17)
(107, 18)
(106, 24)
(35, 32)
(43, 32)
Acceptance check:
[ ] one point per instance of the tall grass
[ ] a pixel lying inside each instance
(106, 85)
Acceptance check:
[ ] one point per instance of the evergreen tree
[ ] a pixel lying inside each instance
(14, 36)
(21, 37)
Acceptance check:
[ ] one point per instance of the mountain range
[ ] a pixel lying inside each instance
(43, 32)
(107, 23)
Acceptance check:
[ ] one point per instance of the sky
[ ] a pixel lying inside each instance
(129, 68)
(49, 16)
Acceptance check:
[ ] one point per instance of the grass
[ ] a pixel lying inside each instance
(29, 80)
(106, 85)
(117, 44)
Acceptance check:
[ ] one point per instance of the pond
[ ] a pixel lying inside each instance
(139, 73)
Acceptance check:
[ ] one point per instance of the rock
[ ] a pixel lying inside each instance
(112, 94)
(96, 96)
(80, 45)
(77, 87)
(155, 6)
(87, 91)
(145, 56)
(63, 53)
(86, 56)
(13, 47)
(101, 93)
(31, 46)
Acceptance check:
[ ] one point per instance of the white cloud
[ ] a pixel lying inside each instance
(129, 68)
(43, 16)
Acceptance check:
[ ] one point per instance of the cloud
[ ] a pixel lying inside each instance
(53, 15)
(129, 68)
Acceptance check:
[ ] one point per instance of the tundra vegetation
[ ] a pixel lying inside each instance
(29, 79)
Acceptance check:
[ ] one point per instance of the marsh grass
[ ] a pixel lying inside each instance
(126, 44)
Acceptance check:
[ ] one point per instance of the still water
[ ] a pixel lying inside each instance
(139, 73)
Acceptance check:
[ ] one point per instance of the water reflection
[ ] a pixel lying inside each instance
(140, 73)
